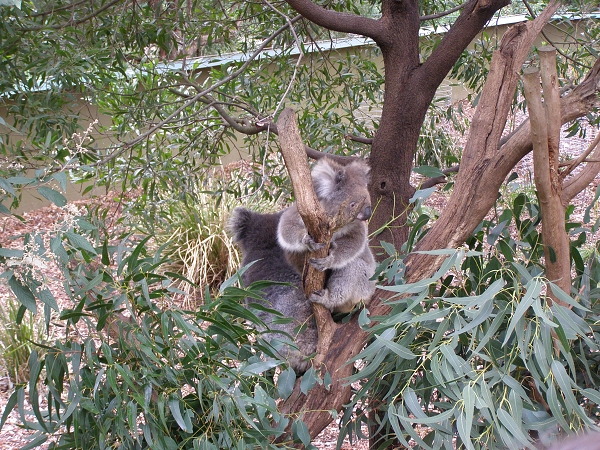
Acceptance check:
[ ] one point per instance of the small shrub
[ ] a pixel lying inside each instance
(191, 230)
(198, 247)
(136, 375)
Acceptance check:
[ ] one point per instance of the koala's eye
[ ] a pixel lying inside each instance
(352, 205)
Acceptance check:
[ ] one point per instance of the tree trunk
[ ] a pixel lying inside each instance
(484, 166)
(410, 87)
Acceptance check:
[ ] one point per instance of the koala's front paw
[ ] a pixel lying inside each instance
(318, 296)
(321, 264)
(311, 244)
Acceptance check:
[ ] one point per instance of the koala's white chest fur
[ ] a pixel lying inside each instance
(350, 260)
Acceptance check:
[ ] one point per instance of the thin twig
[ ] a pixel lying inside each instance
(361, 139)
(443, 13)
(72, 22)
(581, 158)
(192, 100)
(300, 56)
(61, 8)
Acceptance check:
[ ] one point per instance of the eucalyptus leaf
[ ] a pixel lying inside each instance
(23, 294)
(285, 382)
(54, 196)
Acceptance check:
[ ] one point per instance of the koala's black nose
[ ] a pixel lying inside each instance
(365, 213)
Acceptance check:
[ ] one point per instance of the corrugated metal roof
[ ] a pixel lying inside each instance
(205, 62)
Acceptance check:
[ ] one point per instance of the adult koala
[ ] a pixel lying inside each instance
(350, 261)
(256, 234)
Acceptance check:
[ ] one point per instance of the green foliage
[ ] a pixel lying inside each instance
(133, 370)
(477, 353)
(136, 371)
(20, 334)
(135, 64)
(437, 147)
(138, 65)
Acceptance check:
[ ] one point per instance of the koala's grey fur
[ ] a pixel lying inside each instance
(256, 234)
(350, 260)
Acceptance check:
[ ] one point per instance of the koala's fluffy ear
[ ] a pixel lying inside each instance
(237, 226)
(363, 168)
(326, 174)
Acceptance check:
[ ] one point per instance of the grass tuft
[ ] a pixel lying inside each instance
(18, 340)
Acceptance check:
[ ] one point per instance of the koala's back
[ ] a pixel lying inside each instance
(256, 234)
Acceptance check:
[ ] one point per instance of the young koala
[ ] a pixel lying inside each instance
(256, 234)
(350, 260)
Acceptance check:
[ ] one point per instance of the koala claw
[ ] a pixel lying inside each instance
(321, 264)
(311, 244)
(317, 296)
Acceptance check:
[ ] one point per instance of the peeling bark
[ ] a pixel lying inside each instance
(481, 170)
(547, 181)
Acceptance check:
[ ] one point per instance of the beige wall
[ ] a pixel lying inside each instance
(31, 200)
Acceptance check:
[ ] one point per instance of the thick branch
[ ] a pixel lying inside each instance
(337, 21)
(314, 217)
(479, 179)
(470, 22)
(579, 102)
(320, 228)
(539, 134)
(550, 86)
(307, 202)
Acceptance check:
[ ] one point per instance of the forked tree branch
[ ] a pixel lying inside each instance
(337, 21)
(174, 116)
(261, 123)
(471, 21)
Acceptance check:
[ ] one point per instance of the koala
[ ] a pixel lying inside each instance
(350, 262)
(256, 235)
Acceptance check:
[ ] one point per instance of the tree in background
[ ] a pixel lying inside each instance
(169, 126)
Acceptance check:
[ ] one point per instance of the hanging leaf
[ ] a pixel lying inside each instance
(54, 196)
